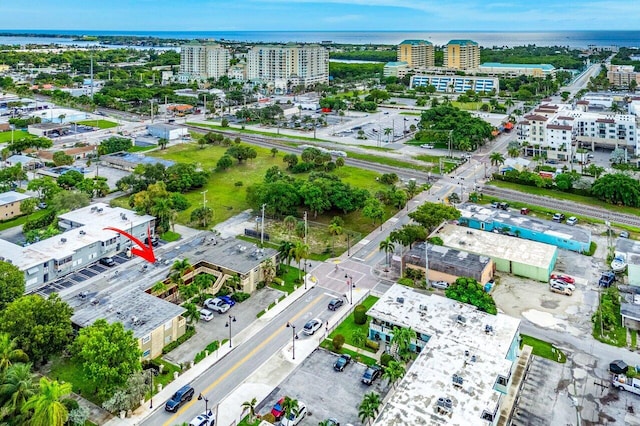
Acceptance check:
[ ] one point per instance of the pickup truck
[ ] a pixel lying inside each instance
(623, 382)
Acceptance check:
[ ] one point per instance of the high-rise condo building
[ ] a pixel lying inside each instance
(416, 53)
(291, 63)
(202, 61)
(462, 55)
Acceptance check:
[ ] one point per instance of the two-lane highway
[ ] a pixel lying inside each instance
(221, 378)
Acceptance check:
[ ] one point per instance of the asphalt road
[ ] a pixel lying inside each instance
(225, 375)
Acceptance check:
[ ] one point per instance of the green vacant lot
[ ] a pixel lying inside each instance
(102, 124)
(17, 134)
(227, 190)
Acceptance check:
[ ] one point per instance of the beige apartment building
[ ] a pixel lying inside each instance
(202, 61)
(622, 75)
(416, 53)
(10, 204)
(462, 55)
(290, 64)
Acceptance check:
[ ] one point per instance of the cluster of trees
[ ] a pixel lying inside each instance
(267, 114)
(320, 192)
(178, 178)
(623, 57)
(426, 217)
(10, 177)
(32, 331)
(374, 55)
(468, 290)
(72, 190)
(355, 72)
(526, 87)
(114, 144)
(158, 201)
(467, 132)
(29, 142)
(558, 56)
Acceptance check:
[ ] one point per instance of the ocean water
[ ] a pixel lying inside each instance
(574, 39)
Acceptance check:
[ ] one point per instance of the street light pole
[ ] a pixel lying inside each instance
(294, 336)
(228, 324)
(262, 227)
(350, 284)
(204, 205)
(151, 371)
(206, 403)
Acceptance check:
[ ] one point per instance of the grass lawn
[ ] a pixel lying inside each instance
(167, 373)
(228, 202)
(245, 422)
(467, 106)
(101, 124)
(387, 161)
(566, 196)
(17, 134)
(22, 219)
(170, 236)
(348, 326)
(141, 148)
(239, 129)
(328, 345)
(65, 369)
(543, 349)
(290, 279)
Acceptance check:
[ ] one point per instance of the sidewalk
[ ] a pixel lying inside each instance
(375, 356)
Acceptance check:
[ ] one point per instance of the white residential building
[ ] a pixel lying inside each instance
(296, 64)
(202, 61)
(558, 130)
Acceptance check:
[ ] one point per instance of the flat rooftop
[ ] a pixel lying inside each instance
(23, 257)
(12, 197)
(498, 246)
(547, 67)
(461, 348)
(446, 259)
(488, 214)
(233, 254)
(101, 215)
(136, 310)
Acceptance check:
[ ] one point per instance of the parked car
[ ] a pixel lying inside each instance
(557, 217)
(204, 419)
(503, 206)
(107, 261)
(495, 204)
(342, 362)
(606, 279)
(561, 277)
(183, 395)
(442, 285)
(206, 315)
(561, 289)
(312, 326)
(618, 367)
(154, 241)
(331, 422)
(560, 283)
(228, 300)
(572, 220)
(293, 419)
(426, 146)
(216, 305)
(624, 234)
(278, 409)
(525, 210)
(372, 373)
(335, 304)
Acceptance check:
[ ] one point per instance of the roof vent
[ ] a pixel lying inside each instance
(63, 240)
(473, 358)
(94, 301)
(400, 299)
(488, 329)
(124, 217)
(134, 319)
(461, 320)
(82, 232)
(424, 308)
(93, 209)
(444, 405)
(100, 210)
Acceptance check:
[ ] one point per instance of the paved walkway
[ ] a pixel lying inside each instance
(375, 356)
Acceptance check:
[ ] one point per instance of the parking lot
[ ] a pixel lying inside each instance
(326, 392)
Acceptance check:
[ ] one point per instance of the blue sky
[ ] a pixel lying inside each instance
(339, 15)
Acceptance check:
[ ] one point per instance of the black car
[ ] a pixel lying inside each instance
(335, 304)
(618, 367)
(342, 362)
(503, 206)
(107, 261)
(371, 374)
(183, 395)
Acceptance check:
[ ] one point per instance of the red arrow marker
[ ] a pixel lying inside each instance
(146, 252)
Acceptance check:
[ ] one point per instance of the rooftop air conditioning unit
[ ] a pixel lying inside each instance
(82, 232)
(400, 299)
(63, 240)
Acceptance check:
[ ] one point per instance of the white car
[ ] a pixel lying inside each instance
(560, 283)
(572, 220)
(442, 285)
(206, 315)
(217, 305)
(312, 326)
(204, 419)
(426, 146)
(295, 418)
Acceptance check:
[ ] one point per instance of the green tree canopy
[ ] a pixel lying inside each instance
(617, 188)
(468, 290)
(11, 283)
(431, 215)
(109, 354)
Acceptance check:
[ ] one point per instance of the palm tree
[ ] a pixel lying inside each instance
(203, 282)
(48, 410)
(161, 208)
(496, 158)
(513, 152)
(369, 407)
(251, 406)
(615, 108)
(412, 189)
(159, 288)
(358, 337)
(290, 406)
(508, 103)
(394, 371)
(9, 352)
(192, 314)
(284, 251)
(300, 251)
(162, 142)
(17, 388)
(290, 223)
(388, 247)
(388, 132)
(402, 338)
(180, 268)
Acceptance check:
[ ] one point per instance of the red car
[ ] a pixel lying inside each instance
(278, 409)
(565, 278)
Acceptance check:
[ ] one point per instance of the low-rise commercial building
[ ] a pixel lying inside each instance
(84, 241)
(27, 162)
(10, 203)
(630, 251)
(533, 70)
(448, 264)
(395, 69)
(469, 367)
(456, 83)
(564, 236)
(49, 129)
(167, 131)
(513, 255)
(128, 161)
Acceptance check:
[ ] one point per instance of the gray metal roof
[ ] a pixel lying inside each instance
(448, 260)
(233, 254)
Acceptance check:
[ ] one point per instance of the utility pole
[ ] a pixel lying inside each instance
(306, 229)
(205, 106)
(91, 72)
(262, 227)
(204, 206)
(426, 262)
(151, 103)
